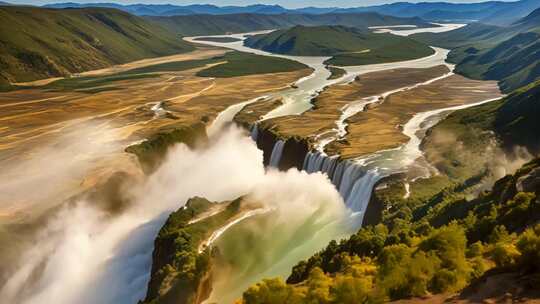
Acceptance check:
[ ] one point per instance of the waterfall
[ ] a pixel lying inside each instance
(276, 154)
(254, 133)
(319, 162)
(358, 198)
(353, 180)
(338, 173)
(351, 173)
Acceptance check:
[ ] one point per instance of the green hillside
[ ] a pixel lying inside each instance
(199, 25)
(514, 62)
(513, 119)
(510, 55)
(349, 46)
(456, 244)
(40, 43)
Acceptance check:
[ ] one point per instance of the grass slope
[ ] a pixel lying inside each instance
(39, 43)
(232, 64)
(508, 54)
(349, 46)
(243, 64)
(199, 25)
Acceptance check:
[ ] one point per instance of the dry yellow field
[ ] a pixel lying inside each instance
(379, 127)
(79, 136)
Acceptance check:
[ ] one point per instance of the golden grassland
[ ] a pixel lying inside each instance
(329, 103)
(378, 127)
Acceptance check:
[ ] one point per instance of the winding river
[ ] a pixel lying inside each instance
(353, 178)
(297, 99)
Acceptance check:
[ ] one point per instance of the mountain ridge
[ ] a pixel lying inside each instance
(508, 54)
(76, 40)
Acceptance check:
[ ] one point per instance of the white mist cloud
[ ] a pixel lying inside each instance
(49, 174)
(85, 255)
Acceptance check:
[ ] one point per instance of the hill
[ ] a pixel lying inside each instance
(508, 54)
(349, 46)
(199, 25)
(40, 43)
(513, 119)
(490, 12)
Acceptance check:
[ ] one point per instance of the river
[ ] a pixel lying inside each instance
(85, 256)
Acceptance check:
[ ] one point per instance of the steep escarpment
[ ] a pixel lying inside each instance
(294, 149)
(457, 244)
(151, 152)
(182, 264)
(41, 43)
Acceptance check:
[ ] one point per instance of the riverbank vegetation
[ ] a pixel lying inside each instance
(242, 64)
(231, 64)
(181, 271)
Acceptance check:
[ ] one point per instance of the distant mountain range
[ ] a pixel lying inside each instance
(509, 54)
(491, 12)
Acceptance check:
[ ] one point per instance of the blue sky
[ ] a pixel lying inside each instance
(284, 3)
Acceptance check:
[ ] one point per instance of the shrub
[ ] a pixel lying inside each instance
(272, 291)
(479, 267)
(475, 250)
(504, 255)
(349, 289)
(499, 234)
(318, 285)
(529, 247)
(444, 280)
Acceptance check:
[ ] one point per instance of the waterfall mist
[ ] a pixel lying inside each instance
(298, 224)
(86, 255)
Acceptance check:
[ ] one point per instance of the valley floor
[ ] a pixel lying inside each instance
(47, 125)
